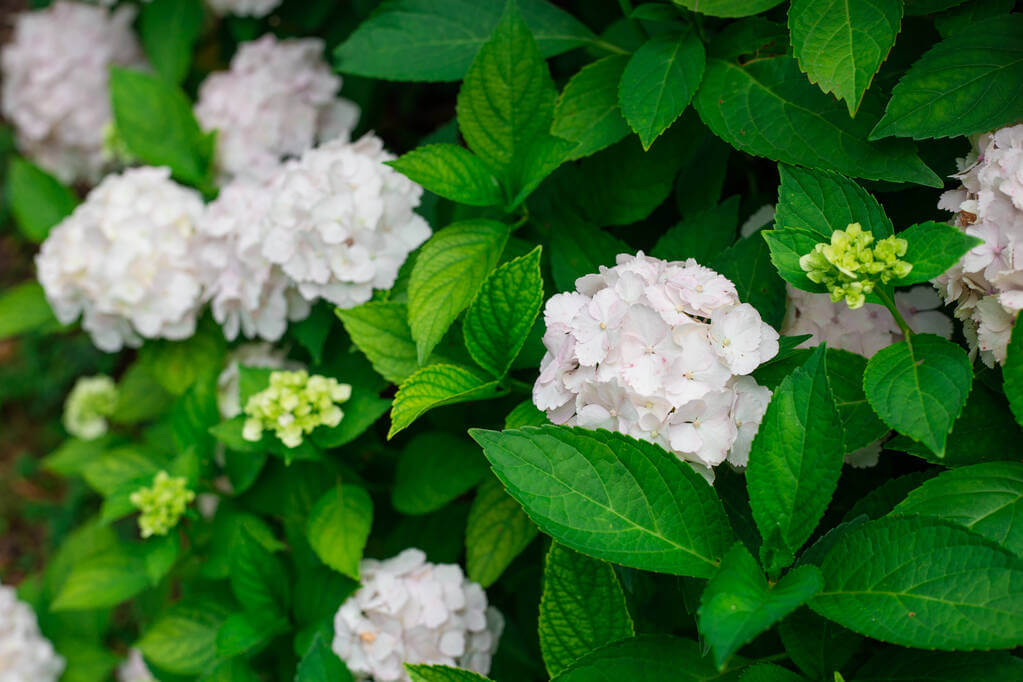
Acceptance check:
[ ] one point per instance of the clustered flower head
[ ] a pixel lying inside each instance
(987, 283)
(134, 669)
(125, 260)
(277, 100)
(55, 73)
(342, 223)
(87, 407)
(293, 405)
(162, 504)
(24, 653)
(244, 8)
(852, 264)
(863, 330)
(659, 351)
(411, 611)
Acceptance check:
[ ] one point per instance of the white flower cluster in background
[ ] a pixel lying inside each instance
(134, 669)
(125, 260)
(864, 330)
(987, 283)
(244, 8)
(411, 611)
(277, 100)
(659, 351)
(25, 655)
(55, 73)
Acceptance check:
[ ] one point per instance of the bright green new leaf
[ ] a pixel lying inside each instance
(169, 30)
(582, 608)
(910, 665)
(924, 583)
(502, 314)
(768, 108)
(795, 461)
(103, 580)
(23, 308)
(496, 532)
(435, 386)
(786, 248)
(650, 658)
(738, 604)
(612, 497)
(38, 200)
(321, 664)
(587, 111)
(183, 640)
(448, 272)
(933, 248)
(659, 82)
(338, 527)
(919, 386)
(970, 82)
(442, 673)
(435, 468)
(841, 45)
(728, 8)
(452, 172)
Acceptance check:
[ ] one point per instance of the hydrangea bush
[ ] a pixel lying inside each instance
(512, 340)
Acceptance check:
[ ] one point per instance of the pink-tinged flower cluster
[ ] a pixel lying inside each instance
(24, 653)
(987, 283)
(244, 8)
(659, 351)
(278, 99)
(411, 611)
(54, 93)
(864, 330)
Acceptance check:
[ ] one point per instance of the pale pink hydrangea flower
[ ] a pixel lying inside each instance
(660, 351)
(134, 669)
(24, 653)
(244, 8)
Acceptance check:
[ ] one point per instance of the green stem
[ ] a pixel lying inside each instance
(889, 302)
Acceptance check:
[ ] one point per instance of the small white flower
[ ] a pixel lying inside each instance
(25, 655)
(244, 8)
(134, 669)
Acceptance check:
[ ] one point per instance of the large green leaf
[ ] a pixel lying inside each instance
(908, 665)
(496, 532)
(965, 16)
(860, 426)
(919, 386)
(103, 580)
(841, 45)
(246, 633)
(821, 202)
(923, 583)
(1012, 371)
(338, 527)
(446, 276)
(701, 235)
(169, 30)
(769, 672)
(659, 82)
(442, 673)
(258, 577)
(436, 40)
(435, 386)
(933, 248)
(748, 264)
(578, 249)
(728, 8)
(452, 172)
(183, 639)
(650, 658)
(795, 461)
(985, 498)
(38, 200)
(612, 497)
(968, 83)
(768, 108)
(435, 468)
(23, 308)
(818, 646)
(587, 111)
(582, 608)
(321, 664)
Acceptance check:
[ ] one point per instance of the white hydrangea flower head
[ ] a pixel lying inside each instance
(342, 223)
(125, 260)
(244, 8)
(660, 351)
(134, 669)
(987, 283)
(247, 293)
(258, 354)
(88, 405)
(54, 92)
(863, 330)
(409, 610)
(24, 653)
(277, 100)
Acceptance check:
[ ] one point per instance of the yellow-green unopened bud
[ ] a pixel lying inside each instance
(293, 405)
(162, 504)
(90, 402)
(851, 265)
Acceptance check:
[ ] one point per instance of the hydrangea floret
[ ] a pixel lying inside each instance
(851, 265)
(162, 504)
(87, 407)
(25, 654)
(293, 405)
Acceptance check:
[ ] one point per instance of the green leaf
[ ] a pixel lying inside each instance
(578, 249)
(816, 645)
(767, 108)
(177, 365)
(841, 45)
(525, 414)
(38, 200)
(860, 426)
(660, 81)
(650, 658)
(496, 532)
(160, 555)
(820, 202)
(448, 272)
(155, 120)
(435, 386)
(907, 665)
(258, 578)
(919, 386)
(435, 468)
(244, 634)
(86, 661)
(381, 331)
(738, 604)
(587, 111)
(701, 235)
(932, 249)
(140, 397)
(441, 673)
(786, 247)
(964, 16)
(23, 308)
(452, 172)
(582, 608)
(312, 332)
(612, 497)
(728, 8)
(103, 580)
(183, 640)
(233, 670)
(321, 664)
(436, 40)
(339, 526)
(169, 30)
(769, 672)
(748, 265)
(985, 498)
(361, 410)
(968, 83)
(923, 583)
(1012, 371)
(921, 7)
(502, 314)
(795, 461)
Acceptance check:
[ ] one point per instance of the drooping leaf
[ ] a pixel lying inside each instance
(587, 111)
(38, 200)
(933, 248)
(452, 172)
(338, 528)
(496, 532)
(435, 468)
(169, 30)
(435, 386)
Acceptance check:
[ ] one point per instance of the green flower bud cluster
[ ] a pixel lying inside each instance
(293, 405)
(162, 504)
(90, 402)
(852, 264)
